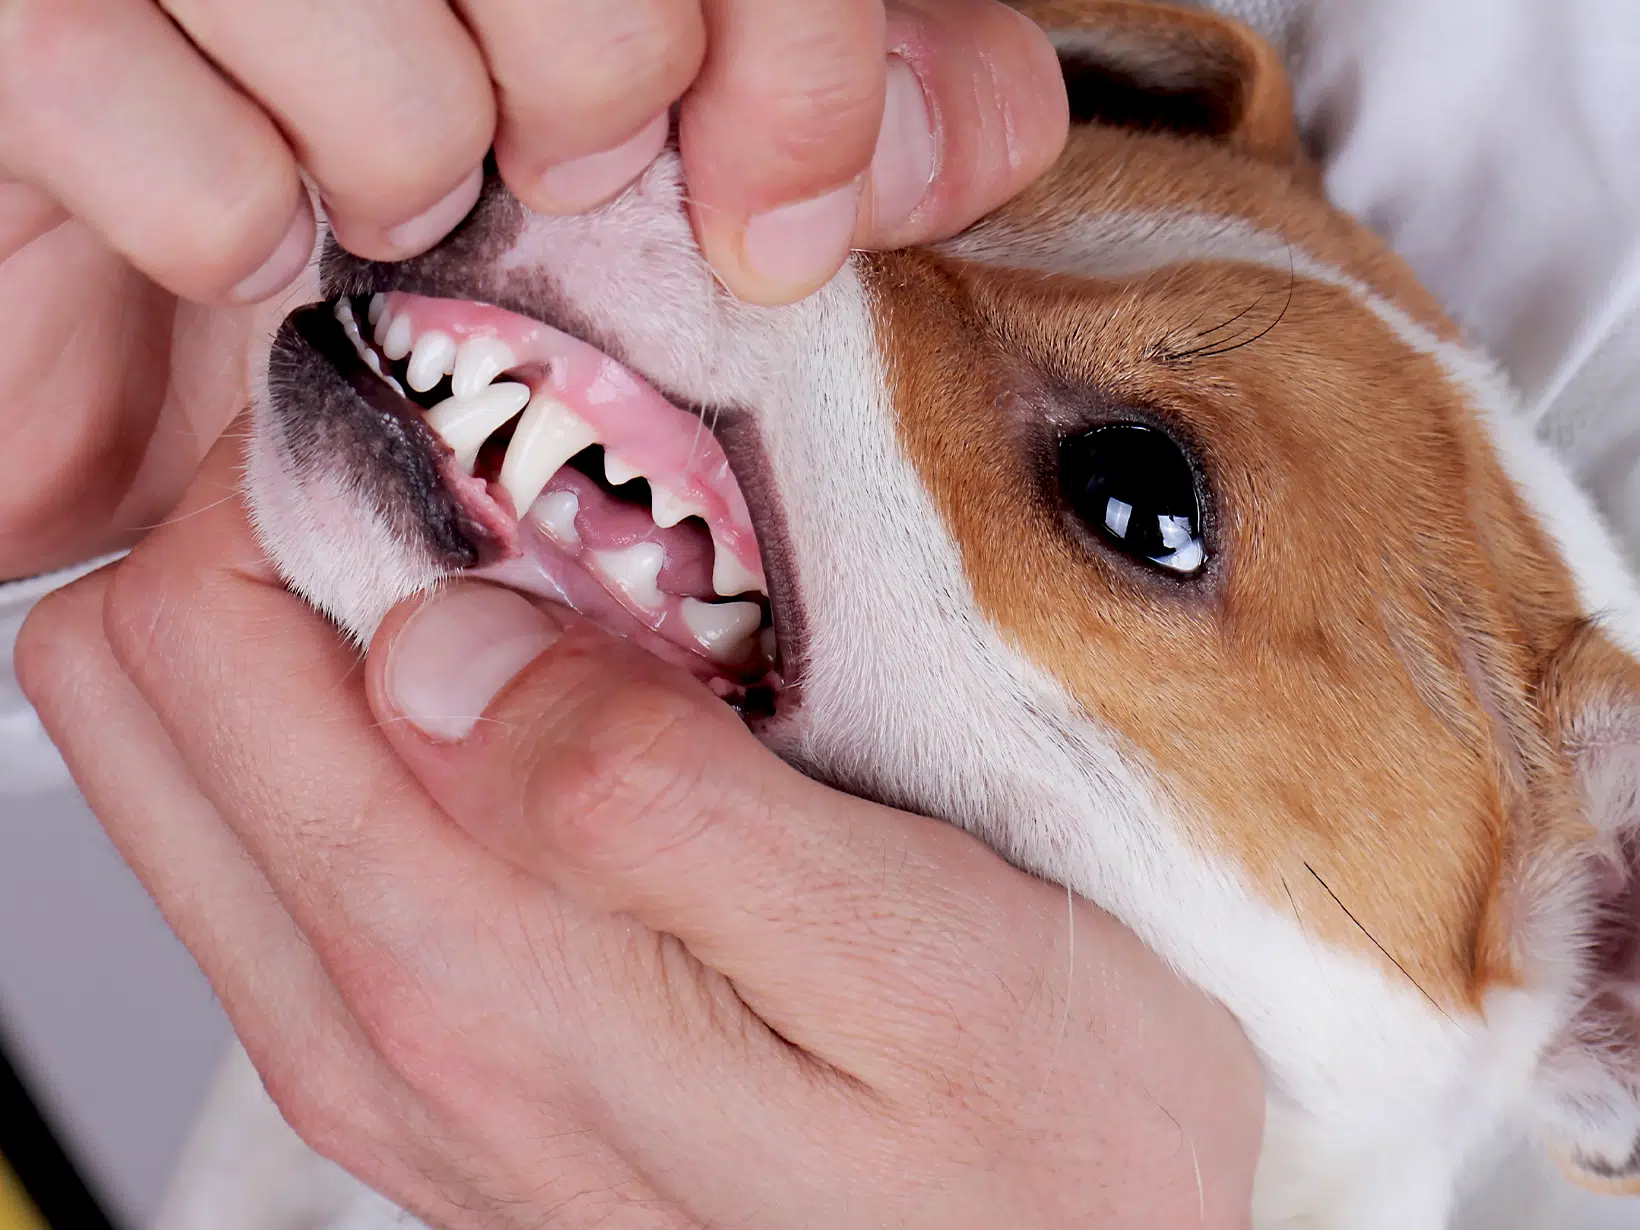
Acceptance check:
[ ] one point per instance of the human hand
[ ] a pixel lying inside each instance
(605, 960)
(180, 130)
(125, 148)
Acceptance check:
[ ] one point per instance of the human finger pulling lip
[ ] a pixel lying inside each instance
(180, 130)
(647, 964)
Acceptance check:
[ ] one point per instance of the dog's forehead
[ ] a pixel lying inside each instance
(1336, 708)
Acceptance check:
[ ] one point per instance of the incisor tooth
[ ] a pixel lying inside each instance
(633, 571)
(556, 512)
(618, 472)
(729, 575)
(668, 508)
(397, 342)
(724, 629)
(548, 435)
(433, 354)
(465, 423)
(480, 360)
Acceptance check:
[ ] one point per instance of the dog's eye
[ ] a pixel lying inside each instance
(1137, 490)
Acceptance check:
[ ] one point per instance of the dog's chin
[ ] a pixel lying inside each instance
(405, 440)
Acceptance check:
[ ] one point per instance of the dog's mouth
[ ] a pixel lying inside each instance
(564, 474)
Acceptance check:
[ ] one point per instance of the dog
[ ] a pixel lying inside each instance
(1259, 621)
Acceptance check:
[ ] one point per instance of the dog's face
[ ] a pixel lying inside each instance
(1159, 530)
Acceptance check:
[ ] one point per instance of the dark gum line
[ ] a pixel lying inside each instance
(319, 328)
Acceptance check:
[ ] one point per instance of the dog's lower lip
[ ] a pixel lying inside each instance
(661, 624)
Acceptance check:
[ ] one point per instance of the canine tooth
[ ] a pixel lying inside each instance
(633, 571)
(668, 508)
(378, 305)
(618, 472)
(556, 512)
(381, 325)
(479, 361)
(397, 342)
(729, 575)
(548, 435)
(464, 423)
(724, 629)
(769, 643)
(432, 356)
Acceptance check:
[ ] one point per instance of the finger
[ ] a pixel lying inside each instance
(976, 111)
(496, 1006)
(283, 1007)
(776, 135)
(387, 106)
(634, 788)
(583, 89)
(106, 108)
(26, 213)
(893, 948)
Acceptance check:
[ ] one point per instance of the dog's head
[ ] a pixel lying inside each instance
(1159, 529)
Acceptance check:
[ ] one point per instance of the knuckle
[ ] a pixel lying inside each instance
(636, 755)
(829, 126)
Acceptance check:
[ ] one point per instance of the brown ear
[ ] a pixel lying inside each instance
(1134, 64)
(1583, 919)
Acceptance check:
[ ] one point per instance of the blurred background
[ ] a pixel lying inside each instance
(105, 1017)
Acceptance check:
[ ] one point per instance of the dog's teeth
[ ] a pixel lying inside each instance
(397, 342)
(724, 629)
(668, 508)
(769, 643)
(381, 325)
(479, 361)
(432, 357)
(378, 305)
(556, 512)
(464, 423)
(548, 435)
(633, 570)
(729, 575)
(618, 472)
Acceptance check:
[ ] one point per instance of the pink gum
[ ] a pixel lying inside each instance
(670, 447)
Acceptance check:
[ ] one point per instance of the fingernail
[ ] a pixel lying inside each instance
(458, 651)
(428, 227)
(904, 165)
(796, 248)
(285, 264)
(577, 185)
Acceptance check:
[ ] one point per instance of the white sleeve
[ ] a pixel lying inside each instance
(1496, 145)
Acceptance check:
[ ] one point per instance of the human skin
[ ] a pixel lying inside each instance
(134, 170)
(605, 960)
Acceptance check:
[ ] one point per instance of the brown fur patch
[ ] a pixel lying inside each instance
(1343, 704)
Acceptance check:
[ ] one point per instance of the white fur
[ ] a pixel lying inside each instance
(1376, 1100)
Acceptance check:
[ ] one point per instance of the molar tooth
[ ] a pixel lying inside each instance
(378, 305)
(397, 342)
(729, 575)
(668, 507)
(556, 512)
(619, 472)
(464, 423)
(633, 571)
(548, 435)
(480, 360)
(724, 629)
(432, 356)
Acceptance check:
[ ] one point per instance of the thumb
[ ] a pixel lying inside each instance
(627, 784)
